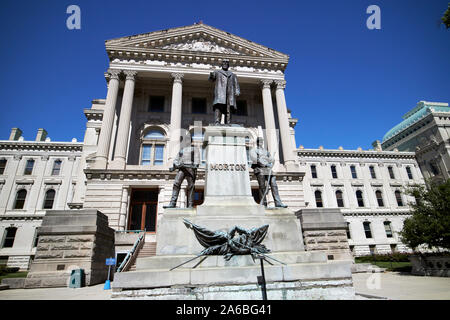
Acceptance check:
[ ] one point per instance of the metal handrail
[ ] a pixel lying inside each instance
(130, 253)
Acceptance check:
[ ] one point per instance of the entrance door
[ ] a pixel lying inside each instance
(143, 210)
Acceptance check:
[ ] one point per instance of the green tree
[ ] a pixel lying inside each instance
(446, 17)
(429, 223)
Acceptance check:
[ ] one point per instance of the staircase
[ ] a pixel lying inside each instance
(148, 250)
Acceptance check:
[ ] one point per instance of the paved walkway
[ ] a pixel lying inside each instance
(391, 285)
(397, 286)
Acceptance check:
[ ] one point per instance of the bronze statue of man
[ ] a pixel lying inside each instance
(187, 162)
(225, 92)
(262, 163)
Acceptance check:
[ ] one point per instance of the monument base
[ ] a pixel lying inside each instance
(332, 289)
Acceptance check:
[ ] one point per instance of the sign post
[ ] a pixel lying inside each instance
(109, 262)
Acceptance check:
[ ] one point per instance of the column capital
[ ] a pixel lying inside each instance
(113, 73)
(281, 84)
(265, 83)
(177, 77)
(130, 74)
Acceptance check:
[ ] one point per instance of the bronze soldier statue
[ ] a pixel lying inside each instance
(225, 92)
(187, 162)
(262, 163)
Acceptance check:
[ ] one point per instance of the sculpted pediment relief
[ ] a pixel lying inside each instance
(199, 45)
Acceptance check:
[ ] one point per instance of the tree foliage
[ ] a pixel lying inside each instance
(429, 223)
(446, 17)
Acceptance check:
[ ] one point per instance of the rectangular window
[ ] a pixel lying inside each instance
(146, 154)
(241, 106)
(372, 172)
(313, 172)
(353, 170)
(333, 172)
(408, 171)
(198, 105)
(349, 236)
(156, 104)
(159, 155)
(391, 172)
(367, 230)
(56, 168)
(388, 229)
(9, 238)
(29, 167)
(2, 165)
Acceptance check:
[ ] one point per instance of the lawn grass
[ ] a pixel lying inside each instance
(400, 266)
(21, 274)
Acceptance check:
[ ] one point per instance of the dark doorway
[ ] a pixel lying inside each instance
(143, 210)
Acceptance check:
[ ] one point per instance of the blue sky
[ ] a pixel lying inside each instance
(346, 84)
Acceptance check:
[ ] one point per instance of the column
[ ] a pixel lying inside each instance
(124, 121)
(175, 115)
(107, 121)
(283, 121)
(269, 119)
(123, 209)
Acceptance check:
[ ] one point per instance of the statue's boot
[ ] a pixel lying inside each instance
(280, 205)
(173, 200)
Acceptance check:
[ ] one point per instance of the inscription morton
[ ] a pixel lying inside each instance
(227, 167)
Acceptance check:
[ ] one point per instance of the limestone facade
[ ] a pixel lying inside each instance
(28, 189)
(157, 88)
(368, 186)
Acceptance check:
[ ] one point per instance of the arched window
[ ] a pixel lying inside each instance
(49, 199)
(318, 195)
(398, 197)
(359, 198)
(367, 230)
(153, 145)
(20, 199)
(56, 167)
(339, 199)
(379, 196)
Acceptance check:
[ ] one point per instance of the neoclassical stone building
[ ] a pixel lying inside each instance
(35, 176)
(424, 130)
(158, 88)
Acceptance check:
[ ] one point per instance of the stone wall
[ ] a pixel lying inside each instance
(68, 240)
(325, 230)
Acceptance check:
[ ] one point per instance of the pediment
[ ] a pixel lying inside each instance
(197, 39)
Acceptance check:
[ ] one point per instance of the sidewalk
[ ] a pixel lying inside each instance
(391, 285)
(86, 293)
(397, 286)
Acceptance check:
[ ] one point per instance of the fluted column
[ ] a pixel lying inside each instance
(175, 115)
(288, 153)
(269, 120)
(124, 121)
(104, 140)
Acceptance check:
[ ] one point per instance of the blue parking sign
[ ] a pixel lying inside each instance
(110, 261)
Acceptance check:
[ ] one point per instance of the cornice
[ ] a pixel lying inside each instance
(38, 145)
(355, 154)
(93, 114)
(376, 213)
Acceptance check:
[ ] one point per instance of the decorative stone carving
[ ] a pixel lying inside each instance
(177, 77)
(199, 45)
(281, 84)
(266, 83)
(130, 74)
